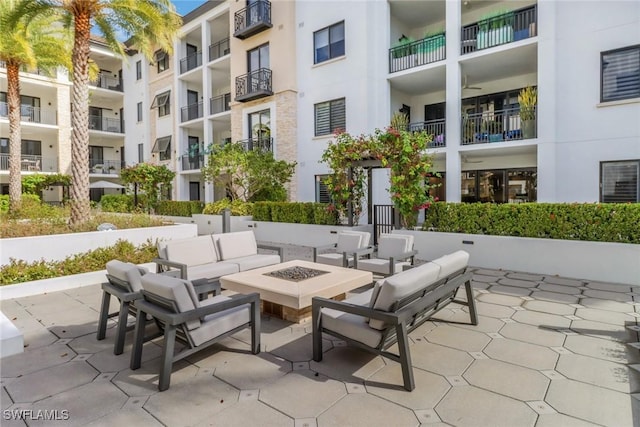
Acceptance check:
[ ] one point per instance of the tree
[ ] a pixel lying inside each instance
(248, 175)
(149, 24)
(27, 42)
(149, 179)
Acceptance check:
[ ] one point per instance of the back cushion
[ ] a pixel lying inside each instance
(127, 272)
(162, 249)
(348, 242)
(391, 246)
(238, 244)
(451, 263)
(365, 237)
(177, 290)
(192, 251)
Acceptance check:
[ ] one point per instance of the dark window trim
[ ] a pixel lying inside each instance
(162, 61)
(319, 181)
(602, 54)
(332, 128)
(162, 146)
(138, 70)
(328, 28)
(139, 111)
(601, 183)
(162, 102)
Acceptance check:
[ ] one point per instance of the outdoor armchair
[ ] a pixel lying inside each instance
(395, 251)
(350, 245)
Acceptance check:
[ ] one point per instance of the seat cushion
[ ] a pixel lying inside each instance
(333, 259)
(348, 242)
(379, 266)
(250, 262)
(451, 263)
(177, 290)
(127, 272)
(211, 270)
(351, 326)
(193, 251)
(214, 325)
(236, 245)
(389, 246)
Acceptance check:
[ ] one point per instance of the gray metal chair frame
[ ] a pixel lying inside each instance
(345, 255)
(172, 324)
(392, 260)
(406, 315)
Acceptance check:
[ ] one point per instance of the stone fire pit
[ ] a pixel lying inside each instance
(296, 274)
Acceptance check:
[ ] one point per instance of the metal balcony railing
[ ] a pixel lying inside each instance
(192, 162)
(254, 18)
(499, 30)
(436, 128)
(31, 163)
(108, 167)
(262, 144)
(32, 114)
(254, 85)
(105, 124)
(219, 104)
(219, 49)
(417, 53)
(108, 82)
(37, 71)
(191, 112)
(500, 125)
(190, 62)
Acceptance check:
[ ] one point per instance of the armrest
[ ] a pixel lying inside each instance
(119, 293)
(317, 249)
(172, 264)
(359, 310)
(363, 251)
(278, 249)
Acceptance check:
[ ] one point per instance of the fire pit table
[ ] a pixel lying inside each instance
(286, 289)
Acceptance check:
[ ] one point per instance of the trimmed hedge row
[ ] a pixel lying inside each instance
(179, 207)
(292, 212)
(122, 203)
(608, 222)
(237, 207)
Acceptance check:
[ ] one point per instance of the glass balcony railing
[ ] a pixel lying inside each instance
(219, 49)
(192, 162)
(31, 163)
(105, 124)
(31, 114)
(191, 112)
(190, 62)
(219, 104)
(108, 167)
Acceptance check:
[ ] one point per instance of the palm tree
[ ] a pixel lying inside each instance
(30, 43)
(149, 24)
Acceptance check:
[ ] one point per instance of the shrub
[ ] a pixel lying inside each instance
(31, 206)
(122, 203)
(292, 212)
(262, 211)
(237, 207)
(179, 208)
(607, 222)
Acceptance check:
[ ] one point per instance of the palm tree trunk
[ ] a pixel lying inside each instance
(80, 119)
(15, 145)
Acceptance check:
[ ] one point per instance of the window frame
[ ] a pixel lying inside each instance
(601, 177)
(141, 153)
(139, 112)
(332, 128)
(163, 106)
(328, 30)
(138, 70)
(319, 182)
(602, 57)
(165, 154)
(162, 61)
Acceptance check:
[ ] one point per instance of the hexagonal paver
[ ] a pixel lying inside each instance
(517, 282)
(248, 371)
(607, 295)
(611, 317)
(602, 349)
(218, 354)
(499, 299)
(298, 350)
(525, 276)
(555, 420)
(494, 310)
(507, 379)
(36, 359)
(615, 376)
(430, 388)
(558, 289)
(249, 413)
(510, 290)
(604, 304)
(487, 272)
(5, 400)
(532, 334)
(439, 359)
(549, 307)
(591, 403)
(485, 324)
(611, 287)
(144, 381)
(484, 279)
(604, 330)
(127, 417)
(522, 353)
(556, 297)
(49, 304)
(563, 281)
(48, 382)
(366, 410)
(106, 361)
(188, 403)
(546, 320)
(459, 338)
(348, 364)
(301, 394)
(89, 344)
(471, 406)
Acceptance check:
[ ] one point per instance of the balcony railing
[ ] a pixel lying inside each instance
(109, 167)
(191, 112)
(37, 71)
(417, 53)
(32, 114)
(219, 104)
(190, 62)
(105, 124)
(192, 162)
(499, 30)
(254, 18)
(219, 49)
(108, 82)
(435, 128)
(262, 144)
(501, 125)
(254, 85)
(31, 163)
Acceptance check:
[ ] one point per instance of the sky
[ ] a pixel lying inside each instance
(186, 6)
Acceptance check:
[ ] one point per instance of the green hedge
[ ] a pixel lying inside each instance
(237, 207)
(27, 200)
(122, 203)
(608, 222)
(179, 207)
(292, 212)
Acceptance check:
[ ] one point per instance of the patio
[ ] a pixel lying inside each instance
(548, 351)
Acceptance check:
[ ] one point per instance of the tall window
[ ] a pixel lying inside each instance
(139, 111)
(260, 130)
(138, 70)
(620, 74)
(163, 147)
(258, 58)
(322, 192)
(619, 181)
(140, 153)
(328, 43)
(330, 116)
(163, 103)
(162, 60)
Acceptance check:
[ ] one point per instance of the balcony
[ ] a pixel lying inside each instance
(191, 112)
(31, 163)
(219, 49)
(263, 144)
(190, 62)
(220, 104)
(38, 71)
(192, 162)
(253, 19)
(411, 54)
(105, 167)
(435, 128)
(254, 85)
(498, 30)
(32, 114)
(108, 82)
(105, 124)
(501, 125)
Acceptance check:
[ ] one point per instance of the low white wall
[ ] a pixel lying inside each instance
(297, 234)
(597, 261)
(212, 224)
(57, 247)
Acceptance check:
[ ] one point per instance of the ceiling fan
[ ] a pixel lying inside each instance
(466, 159)
(466, 84)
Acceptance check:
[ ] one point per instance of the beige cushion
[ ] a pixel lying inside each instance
(401, 285)
(348, 242)
(211, 270)
(238, 244)
(250, 262)
(365, 237)
(162, 249)
(333, 259)
(391, 247)
(380, 266)
(214, 325)
(350, 326)
(192, 251)
(451, 263)
(127, 272)
(363, 298)
(177, 290)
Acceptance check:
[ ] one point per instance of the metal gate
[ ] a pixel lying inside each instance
(383, 220)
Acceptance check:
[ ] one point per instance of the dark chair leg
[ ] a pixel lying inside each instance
(138, 340)
(316, 332)
(405, 357)
(122, 327)
(104, 315)
(167, 357)
(255, 326)
(471, 303)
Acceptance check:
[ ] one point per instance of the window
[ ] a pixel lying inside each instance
(328, 43)
(260, 129)
(330, 116)
(162, 103)
(620, 74)
(322, 192)
(500, 185)
(28, 147)
(139, 111)
(258, 58)
(138, 70)
(163, 146)
(140, 153)
(619, 181)
(162, 61)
